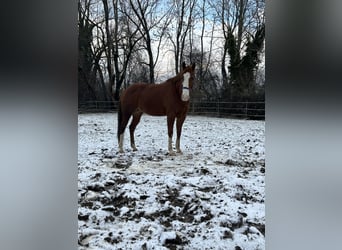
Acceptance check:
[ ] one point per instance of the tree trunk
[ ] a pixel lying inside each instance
(109, 45)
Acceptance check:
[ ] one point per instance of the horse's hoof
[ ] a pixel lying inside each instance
(179, 151)
(172, 153)
(135, 149)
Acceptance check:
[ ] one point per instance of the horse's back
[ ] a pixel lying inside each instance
(147, 97)
(133, 89)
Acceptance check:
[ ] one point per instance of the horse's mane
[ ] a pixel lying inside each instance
(176, 79)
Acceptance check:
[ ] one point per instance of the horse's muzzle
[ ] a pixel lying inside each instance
(185, 97)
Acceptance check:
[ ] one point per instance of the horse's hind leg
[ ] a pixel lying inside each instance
(136, 119)
(122, 127)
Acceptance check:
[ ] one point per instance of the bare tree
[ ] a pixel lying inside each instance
(147, 20)
(243, 29)
(120, 41)
(183, 12)
(90, 77)
(84, 59)
(206, 79)
(125, 41)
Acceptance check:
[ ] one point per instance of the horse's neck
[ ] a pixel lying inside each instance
(173, 84)
(176, 79)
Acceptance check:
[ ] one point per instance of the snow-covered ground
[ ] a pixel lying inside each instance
(210, 197)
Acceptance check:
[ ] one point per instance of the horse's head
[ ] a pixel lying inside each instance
(188, 74)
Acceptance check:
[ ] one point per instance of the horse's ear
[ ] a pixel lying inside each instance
(193, 66)
(183, 65)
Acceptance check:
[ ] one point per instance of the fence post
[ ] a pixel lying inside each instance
(246, 109)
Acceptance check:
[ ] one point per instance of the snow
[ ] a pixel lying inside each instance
(210, 197)
(167, 236)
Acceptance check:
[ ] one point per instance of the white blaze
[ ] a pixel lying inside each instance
(185, 91)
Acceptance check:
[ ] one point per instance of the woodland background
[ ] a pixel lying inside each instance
(124, 41)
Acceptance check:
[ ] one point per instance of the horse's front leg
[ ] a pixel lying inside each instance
(170, 123)
(179, 124)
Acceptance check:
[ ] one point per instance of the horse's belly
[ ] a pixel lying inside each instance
(152, 102)
(156, 111)
(152, 108)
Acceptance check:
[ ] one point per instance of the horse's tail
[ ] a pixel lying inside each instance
(119, 121)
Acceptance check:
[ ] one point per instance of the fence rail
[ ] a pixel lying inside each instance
(248, 110)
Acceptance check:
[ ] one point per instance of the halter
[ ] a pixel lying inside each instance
(185, 87)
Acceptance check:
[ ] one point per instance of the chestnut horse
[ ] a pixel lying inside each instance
(170, 98)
